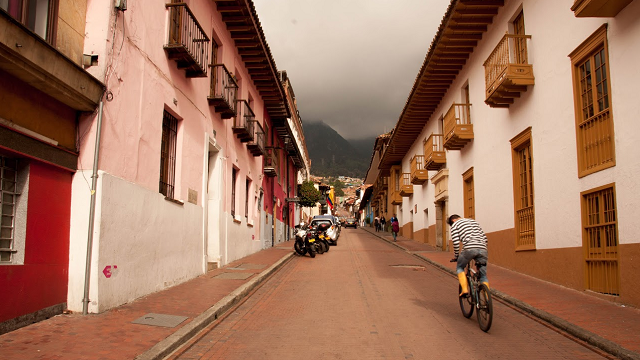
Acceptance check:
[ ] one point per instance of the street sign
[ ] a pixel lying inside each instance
(294, 199)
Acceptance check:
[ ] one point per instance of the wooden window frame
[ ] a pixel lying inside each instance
(469, 194)
(52, 19)
(168, 154)
(606, 249)
(519, 142)
(586, 51)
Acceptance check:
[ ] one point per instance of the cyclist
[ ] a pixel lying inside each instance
(474, 247)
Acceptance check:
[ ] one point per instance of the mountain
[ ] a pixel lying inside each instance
(332, 155)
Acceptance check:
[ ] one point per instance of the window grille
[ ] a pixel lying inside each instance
(600, 240)
(523, 191)
(594, 120)
(234, 175)
(168, 155)
(8, 199)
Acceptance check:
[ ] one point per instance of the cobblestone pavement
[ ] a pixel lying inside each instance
(366, 299)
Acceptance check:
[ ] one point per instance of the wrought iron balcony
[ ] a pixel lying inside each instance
(434, 155)
(223, 92)
(406, 187)
(507, 71)
(271, 161)
(188, 43)
(419, 175)
(256, 146)
(458, 130)
(243, 122)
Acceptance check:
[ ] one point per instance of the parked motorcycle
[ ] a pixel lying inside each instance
(322, 237)
(305, 240)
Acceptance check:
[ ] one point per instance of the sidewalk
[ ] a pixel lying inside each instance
(113, 335)
(611, 327)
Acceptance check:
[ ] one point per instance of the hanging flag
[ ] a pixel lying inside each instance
(329, 202)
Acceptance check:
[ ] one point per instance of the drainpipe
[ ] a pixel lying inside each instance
(92, 214)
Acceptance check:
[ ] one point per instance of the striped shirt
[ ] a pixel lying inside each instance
(469, 233)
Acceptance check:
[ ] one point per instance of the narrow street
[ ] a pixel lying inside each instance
(366, 299)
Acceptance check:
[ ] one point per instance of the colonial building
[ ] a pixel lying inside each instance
(195, 157)
(44, 92)
(522, 116)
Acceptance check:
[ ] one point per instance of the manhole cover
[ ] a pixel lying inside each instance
(160, 320)
(233, 276)
(409, 266)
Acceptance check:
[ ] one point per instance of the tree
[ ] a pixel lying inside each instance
(308, 194)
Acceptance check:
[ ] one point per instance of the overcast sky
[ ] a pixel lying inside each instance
(352, 63)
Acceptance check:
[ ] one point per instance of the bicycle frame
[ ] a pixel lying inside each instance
(479, 298)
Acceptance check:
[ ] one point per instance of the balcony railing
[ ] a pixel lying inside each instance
(507, 71)
(188, 43)
(383, 182)
(396, 198)
(244, 120)
(271, 161)
(419, 175)
(434, 155)
(458, 130)
(256, 146)
(223, 92)
(406, 187)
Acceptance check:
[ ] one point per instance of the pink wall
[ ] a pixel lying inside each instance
(42, 280)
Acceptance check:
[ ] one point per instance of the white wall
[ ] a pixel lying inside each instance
(154, 243)
(547, 106)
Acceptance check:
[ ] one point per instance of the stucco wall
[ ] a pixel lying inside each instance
(547, 106)
(154, 243)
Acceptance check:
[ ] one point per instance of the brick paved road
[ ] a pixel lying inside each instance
(356, 303)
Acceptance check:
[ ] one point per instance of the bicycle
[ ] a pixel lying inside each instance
(479, 297)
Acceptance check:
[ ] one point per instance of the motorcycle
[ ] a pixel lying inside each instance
(305, 241)
(322, 238)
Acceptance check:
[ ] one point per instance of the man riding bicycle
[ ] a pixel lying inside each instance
(474, 247)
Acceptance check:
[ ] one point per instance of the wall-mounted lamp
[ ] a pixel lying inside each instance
(89, 60)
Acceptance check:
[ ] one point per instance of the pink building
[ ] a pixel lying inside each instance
(194, 111)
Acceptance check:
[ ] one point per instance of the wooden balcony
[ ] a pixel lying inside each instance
(243, 122)
(256, 146)
(396, 198)
(434, 155)
(223, 92)
(406, 187)
(441, 183)
(507, 71)
(271, 161)
(458, 130)
(383, 182)
(598, 8)
(419, 175)
(188, 43)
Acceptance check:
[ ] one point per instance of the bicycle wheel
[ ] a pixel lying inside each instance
(485, 308)
(466, 303)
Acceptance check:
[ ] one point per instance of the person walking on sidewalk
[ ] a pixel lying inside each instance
(474, 247)
(383, 222)
(395, 227)
(376, 223)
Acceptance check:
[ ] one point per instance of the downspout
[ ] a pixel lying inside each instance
(92, 213)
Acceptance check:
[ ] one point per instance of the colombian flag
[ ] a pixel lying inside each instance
(331, 198)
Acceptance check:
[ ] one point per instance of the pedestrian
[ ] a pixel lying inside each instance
(376, 223)
(383, 222)
(474, 247)
(395, 227)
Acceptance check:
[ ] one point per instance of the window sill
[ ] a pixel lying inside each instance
(236, 219)
(175, 201)
(249, 224)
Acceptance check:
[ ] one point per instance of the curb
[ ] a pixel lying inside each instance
(172, 342)
(590, 338)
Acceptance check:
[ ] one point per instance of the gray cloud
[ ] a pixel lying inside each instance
(352, 63)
